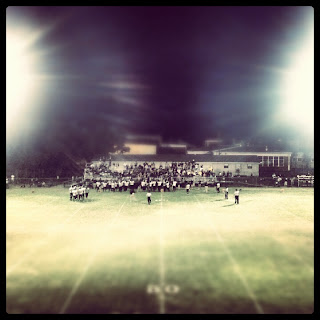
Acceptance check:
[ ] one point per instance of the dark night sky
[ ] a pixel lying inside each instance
(186, 73)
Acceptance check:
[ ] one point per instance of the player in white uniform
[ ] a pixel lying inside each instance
(174, 185)
(83, 191)
(120, 185)
(87, 191)
(149, 197)
(131, 183)
(126, 185)
(70, 191)
(75, 193)
(80, 193)
(236, 196)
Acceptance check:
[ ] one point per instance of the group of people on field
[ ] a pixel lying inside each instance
(78, 192)
(188, 187)
(169, 169)
(146, 184)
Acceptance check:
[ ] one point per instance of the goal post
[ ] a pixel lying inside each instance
(305, 181)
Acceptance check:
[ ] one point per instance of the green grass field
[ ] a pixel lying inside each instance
(196, 253)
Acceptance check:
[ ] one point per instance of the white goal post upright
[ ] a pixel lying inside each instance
(304, 180)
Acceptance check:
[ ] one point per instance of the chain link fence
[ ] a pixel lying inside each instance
(239, 181)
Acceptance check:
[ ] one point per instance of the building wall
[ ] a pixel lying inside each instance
(216, 167)
(236, 168)
(267, 170)
(141, 148)
(269, 166)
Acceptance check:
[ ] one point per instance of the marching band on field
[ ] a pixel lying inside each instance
(80, 191)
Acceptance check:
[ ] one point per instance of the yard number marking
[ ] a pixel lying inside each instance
(157, 289)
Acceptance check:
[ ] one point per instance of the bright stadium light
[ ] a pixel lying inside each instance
(21, 77)
(18, 70)
(299, 88)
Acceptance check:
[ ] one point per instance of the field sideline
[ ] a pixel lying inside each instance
(196, 253)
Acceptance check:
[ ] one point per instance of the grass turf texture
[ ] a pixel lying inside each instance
(196, 253)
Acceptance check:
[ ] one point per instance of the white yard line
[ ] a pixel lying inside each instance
(235, 265)
(162, 308)
(33, 250)
(86, 268)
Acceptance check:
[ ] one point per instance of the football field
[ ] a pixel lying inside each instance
(184, 253)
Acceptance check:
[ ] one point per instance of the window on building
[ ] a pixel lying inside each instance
(276, 161)
(281, 162)
(264, 161)
(226, 166)
(249, 166)
(270, 162)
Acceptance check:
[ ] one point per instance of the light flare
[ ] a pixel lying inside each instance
(20, 84)
(299, 88)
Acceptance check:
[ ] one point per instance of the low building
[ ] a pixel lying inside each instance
(142, 144)
(141, 148)
(202, 150)
(172, 148)
(213, 143)
(245, 165)
(271, 161)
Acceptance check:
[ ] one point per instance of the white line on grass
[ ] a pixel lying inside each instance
(235, 264)
(162, 308)
(33, 250)
(86, 268)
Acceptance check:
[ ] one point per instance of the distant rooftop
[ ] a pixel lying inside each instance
(200, 149)
(173, 145)
(246, 148)
(183, 158)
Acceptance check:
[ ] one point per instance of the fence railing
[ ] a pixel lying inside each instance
(305, 181)
(254, 181)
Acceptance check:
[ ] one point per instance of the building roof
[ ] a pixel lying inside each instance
(173, 145)
(200, 148)
(183, 158)
(252, 149)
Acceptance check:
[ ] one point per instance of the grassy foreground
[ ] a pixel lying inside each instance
(196, 253)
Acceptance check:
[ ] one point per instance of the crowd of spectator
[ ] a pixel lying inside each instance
(170, 170)
(111, 176)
